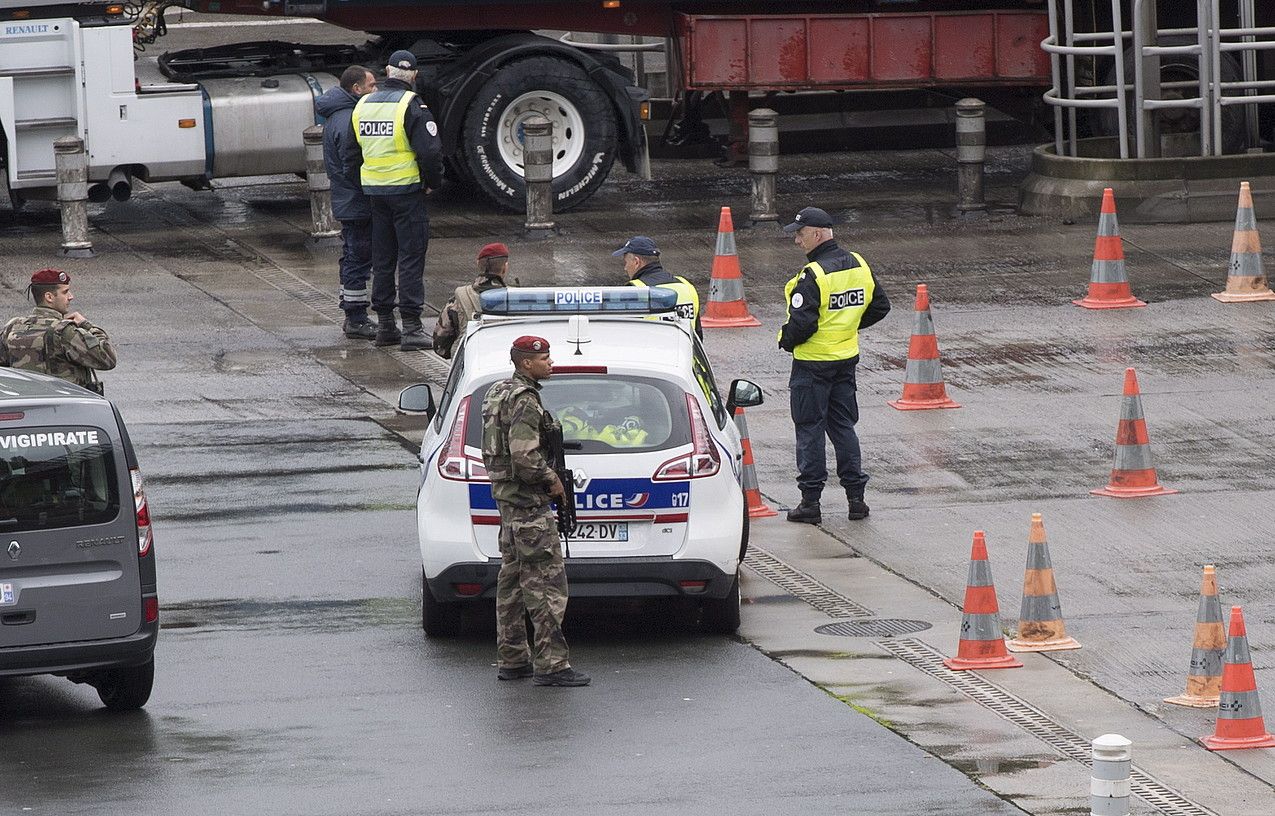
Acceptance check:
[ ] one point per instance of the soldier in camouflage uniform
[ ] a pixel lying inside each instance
(532, 577)
(55, 340)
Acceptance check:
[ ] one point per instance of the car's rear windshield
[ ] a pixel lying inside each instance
(603, 413)
(56, 477)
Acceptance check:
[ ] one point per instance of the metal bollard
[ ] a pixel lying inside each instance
(72, 165)
(1109, 787)
(324, 231)
(971, 152)
(763, 162)
(537, 157)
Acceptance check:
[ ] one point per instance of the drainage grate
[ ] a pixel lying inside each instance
(877, 627)
(803, 586)
(1073, 746)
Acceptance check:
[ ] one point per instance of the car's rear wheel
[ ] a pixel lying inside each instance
(127, 688)
(720, 616)
(438, 618)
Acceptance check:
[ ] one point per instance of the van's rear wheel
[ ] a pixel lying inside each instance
(126, 689)
(438, 619)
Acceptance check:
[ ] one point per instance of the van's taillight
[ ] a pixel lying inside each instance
(12, 416)
(144, 535)
(453, 462)
(703, 460)
(150, 607)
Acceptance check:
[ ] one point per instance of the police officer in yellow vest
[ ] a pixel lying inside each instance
(400, 159)
(833, 296)
(642, 265)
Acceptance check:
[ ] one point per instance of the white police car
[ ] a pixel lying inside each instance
(651, 440)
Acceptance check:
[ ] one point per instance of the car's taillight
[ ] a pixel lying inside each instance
(150, 606)
(453, 462)
(145, 538)
(703, 460)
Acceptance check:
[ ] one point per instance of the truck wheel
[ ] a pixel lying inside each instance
(127, 688)
(720, 616)
(438, 619)
(584, 131)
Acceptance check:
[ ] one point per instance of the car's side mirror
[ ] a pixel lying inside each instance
(417, 399)
(743, 394)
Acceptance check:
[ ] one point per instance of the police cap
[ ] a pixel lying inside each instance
(403, 59)
(529, 344)
(493, 251)
(638, 245)
(50, 277)
(809, 217)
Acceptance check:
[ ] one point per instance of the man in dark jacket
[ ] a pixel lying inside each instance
(833, 296)
(400, 159)
(349, 204)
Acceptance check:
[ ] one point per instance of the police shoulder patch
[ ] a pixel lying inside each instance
(797, 300)
(431, 127)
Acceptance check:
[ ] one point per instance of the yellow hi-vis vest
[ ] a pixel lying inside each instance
(844, 295)
(388, 159)
(687, 298)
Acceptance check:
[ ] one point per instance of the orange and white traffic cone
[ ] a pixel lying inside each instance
(726, 307)
(1239, 711)
(1040, 622)
(1108, 284)
(757, 507)
(1245, 280)
(1204, 675)
(982, 645)
(923, 378)
(1133, 474)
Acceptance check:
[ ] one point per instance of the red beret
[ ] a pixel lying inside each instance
(493, 251)
(50, 276)
(531, 345)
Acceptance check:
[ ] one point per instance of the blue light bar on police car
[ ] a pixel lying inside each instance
(578, 300)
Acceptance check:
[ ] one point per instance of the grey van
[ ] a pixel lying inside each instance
(77, 555)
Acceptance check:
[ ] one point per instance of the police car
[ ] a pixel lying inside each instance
(649, 435)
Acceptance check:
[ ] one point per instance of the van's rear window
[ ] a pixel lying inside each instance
(606, 414)
(56, 477)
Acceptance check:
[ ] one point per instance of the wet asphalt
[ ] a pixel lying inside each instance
(292, 675)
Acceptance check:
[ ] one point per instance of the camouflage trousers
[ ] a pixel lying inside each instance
(532, 581)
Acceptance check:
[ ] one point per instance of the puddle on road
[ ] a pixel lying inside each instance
(988, 766)
(313, 615)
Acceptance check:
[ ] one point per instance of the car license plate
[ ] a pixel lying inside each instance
(6, 595)
(601, 531)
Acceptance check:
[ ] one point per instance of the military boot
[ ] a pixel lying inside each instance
(414, 336)
(858, 508)
(808, 511)
(566, 677)
(358, 327)
(387, 330)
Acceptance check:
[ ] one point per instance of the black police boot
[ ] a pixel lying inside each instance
(858, 508)
(358, 327)
(566, 677)
(515, 672)
(387, 330)
(808, 511)
(414, 336)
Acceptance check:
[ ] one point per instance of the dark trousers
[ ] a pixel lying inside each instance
(400, 238)
(823, 404)
(355, 266)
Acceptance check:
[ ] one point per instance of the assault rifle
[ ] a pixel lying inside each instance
(566, 506)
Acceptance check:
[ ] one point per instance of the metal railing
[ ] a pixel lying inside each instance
(1142, 43)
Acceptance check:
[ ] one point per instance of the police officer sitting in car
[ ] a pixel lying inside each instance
(642, 265)
(833, 296)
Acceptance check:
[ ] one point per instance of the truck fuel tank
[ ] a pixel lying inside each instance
(254, 124)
